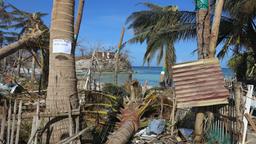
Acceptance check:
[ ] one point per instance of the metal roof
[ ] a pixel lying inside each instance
(199, 83)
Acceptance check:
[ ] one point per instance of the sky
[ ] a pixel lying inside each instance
(103, 21)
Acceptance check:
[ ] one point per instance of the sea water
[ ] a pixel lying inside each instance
(142, 74)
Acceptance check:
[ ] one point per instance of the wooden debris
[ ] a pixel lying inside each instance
(13, 121)
(69, 139)
(35, 126)
(3, 121)
(9, 122)
(251, 122)
(247, 110)
(18, 124)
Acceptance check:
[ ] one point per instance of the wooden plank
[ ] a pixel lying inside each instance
(251, 122)
(37, 120)
(13, 122)
(18, 123)
(35, 125)
(69, 139)
(70, 121)
(9, 122)
(247, 110)
(3, 122)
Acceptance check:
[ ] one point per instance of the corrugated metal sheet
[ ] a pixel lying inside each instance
(199, 83)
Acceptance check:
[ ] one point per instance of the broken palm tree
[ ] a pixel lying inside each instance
(134, 108)
(35, 34)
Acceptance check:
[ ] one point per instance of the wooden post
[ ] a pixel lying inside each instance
(13, 121)
(37, 120)
(247, 110)
(33, 69)
(35, 125)
(199, 127)
(18, 123)
(77, 122)
(173, 112)
(238, 96)
(70, 122)
(3, 121)
(9, 121)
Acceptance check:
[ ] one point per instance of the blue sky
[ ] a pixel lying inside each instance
(103, 20)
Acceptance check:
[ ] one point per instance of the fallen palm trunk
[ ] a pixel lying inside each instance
(13, 47)
(128, 126)
(130, 116)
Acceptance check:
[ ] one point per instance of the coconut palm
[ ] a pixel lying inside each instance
(203, 27)
(238, 33)
(160, 27)
(62, 82)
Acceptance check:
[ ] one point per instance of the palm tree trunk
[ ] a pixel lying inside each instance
(170, 58)
(62, 83)
(128, 126)
(203, 40)
(78, 20)
(203, 27)
(215, 27)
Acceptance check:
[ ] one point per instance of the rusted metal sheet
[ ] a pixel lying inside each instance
(199, 83)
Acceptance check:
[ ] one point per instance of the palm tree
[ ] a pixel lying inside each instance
(238, 33)
(203, 27)
(62, 83)
(160, 27)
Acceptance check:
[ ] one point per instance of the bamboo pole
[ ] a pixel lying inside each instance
(18, 123)
(13, 122)
(3, 121)
(9, 121)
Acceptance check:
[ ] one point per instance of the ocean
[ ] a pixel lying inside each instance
(142, 74)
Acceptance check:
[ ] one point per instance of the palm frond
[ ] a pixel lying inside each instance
(152, 6)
